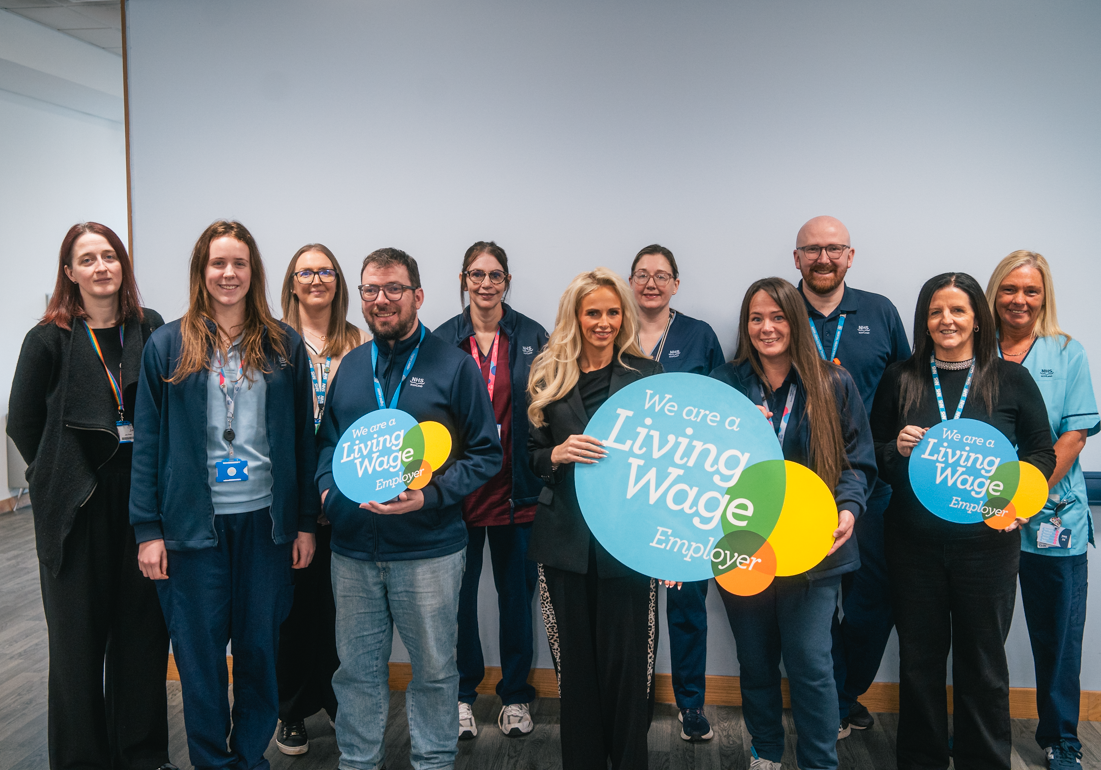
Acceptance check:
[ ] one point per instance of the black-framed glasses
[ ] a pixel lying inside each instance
(833, 250)
(327, 275)
(641, 277)
(496, 277)
(393, 291)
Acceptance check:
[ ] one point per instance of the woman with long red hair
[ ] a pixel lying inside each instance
(71, 418)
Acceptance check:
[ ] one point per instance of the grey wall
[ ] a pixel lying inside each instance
(945, 134)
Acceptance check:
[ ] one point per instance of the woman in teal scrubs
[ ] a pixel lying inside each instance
(1053, 568)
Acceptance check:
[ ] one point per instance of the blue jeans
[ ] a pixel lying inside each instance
(515, 579)
(861, 637)
(686, 611)
(421, 598)
(1053, 591)
(790, 618)
(239, 591)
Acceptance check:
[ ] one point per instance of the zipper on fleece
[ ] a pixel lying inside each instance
(95, 484)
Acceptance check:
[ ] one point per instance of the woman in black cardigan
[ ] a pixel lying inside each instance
(600, 616)
(953, 585)
(70, 416)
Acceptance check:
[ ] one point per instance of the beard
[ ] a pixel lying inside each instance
(824, 283)
(394, 328)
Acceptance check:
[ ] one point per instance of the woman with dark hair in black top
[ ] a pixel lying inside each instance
(953, 585)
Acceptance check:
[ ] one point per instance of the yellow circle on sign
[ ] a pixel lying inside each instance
(1032, 491)
(437, 444)
(804, 532)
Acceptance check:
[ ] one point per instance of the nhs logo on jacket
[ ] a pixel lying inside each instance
(416, 382)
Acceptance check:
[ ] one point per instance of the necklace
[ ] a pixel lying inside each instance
(954, 366)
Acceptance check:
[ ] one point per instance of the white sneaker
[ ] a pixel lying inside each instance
(759, 763)
(515, 719)
(467, 727)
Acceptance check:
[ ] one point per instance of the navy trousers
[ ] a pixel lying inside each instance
(515, 579)
(789, 619)
(860, 638)
(686, 611)
(238, 591)
(1053, 591)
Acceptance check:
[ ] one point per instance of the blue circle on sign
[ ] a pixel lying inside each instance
(951, 466)
(676, 444)
(367, 462)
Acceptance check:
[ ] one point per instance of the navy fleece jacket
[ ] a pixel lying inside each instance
(444, 385)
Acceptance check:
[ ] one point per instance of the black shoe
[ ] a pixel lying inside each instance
(694, 726)
(291, 738)
(859, 718)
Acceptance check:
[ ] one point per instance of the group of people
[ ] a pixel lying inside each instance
(182, 486)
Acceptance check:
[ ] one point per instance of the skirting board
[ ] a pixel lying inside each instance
(882, 697)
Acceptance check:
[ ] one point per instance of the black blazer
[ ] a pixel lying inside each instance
(559, 536)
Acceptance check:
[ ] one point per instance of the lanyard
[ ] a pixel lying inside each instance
(231, 400)
(940, 395)
(116, 390)
(836, 339)
(320, 385)
(787, 411)
(476, 352)
(656, 352)
(408, 367)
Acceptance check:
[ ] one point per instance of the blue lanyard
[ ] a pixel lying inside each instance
(940, 395)
(836, 339)
(405, 373)
(787, 411)
(320, 386)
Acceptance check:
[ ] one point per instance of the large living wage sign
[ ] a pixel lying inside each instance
(966, 471)
(387, 451)
(695, 486)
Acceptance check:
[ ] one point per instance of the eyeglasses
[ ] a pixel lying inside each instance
(641, 277)
(393, 291)
(833, 251)
(327, 275)
(496, 277)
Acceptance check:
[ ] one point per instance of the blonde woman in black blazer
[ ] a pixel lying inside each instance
(600, 615)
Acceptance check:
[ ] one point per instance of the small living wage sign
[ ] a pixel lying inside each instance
(387, 451)
(695, 486)
(966, 471)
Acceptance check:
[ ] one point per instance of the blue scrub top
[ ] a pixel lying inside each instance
(1062, 372)
(690, 345)
(872, 338)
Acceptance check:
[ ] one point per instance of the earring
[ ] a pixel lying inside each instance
(976, 328)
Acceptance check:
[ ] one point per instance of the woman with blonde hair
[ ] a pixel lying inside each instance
(222, 501)
(315, 304)
(1053, 570)
(600, 615)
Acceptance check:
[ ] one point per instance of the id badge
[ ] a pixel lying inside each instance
(231, 470)
(1051, 536)
(125, 431)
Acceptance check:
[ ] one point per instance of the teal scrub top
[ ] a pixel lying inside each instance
(1062, 372)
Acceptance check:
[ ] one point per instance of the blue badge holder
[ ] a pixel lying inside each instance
(231, 470)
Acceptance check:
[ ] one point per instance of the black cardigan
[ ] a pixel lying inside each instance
(559, 535)
(1019, 414)
(63, 435)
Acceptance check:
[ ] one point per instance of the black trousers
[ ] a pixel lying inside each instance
(959, 595)
(108, 644)
(603, 638)
(307, 640)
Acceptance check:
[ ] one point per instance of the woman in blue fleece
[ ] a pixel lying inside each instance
(818, 415)
(222, 501)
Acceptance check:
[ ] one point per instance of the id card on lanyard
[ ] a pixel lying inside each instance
(492, 379)
(122, 425)
(231, 468)
(836, 340)
(379, 395)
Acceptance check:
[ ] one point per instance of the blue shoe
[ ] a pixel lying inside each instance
(694, 726)
(1063, 756)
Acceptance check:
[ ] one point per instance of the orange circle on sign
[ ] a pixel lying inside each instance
(1003, 519)
(752, 577)
(425, 475)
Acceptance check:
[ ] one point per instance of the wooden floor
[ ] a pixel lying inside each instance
(24, 661)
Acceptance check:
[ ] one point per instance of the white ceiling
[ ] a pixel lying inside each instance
(98, 22)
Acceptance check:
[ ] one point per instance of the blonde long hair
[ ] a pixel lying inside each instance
(1047, 322)
(341, 336)
(555, 371)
